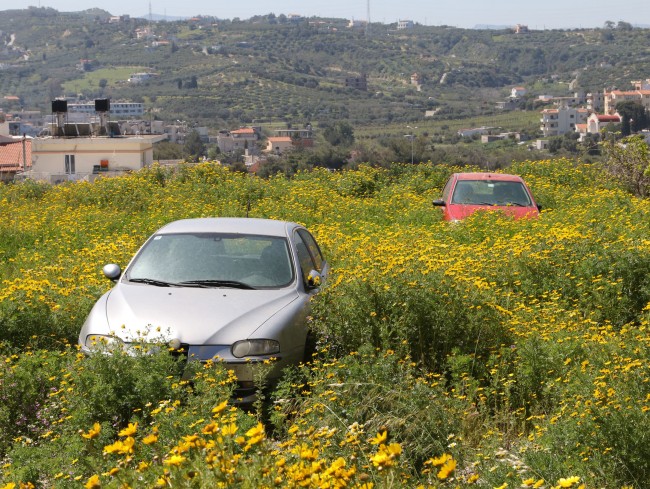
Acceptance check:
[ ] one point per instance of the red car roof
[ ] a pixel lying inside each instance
(488, 176)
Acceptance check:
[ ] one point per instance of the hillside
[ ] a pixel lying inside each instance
(215, 72)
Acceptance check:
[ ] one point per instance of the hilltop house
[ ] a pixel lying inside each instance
(518, 92)
(470, 132)
(358, 82)
(405, 24)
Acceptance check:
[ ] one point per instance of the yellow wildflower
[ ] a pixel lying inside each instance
(150, 439)
(93, 432)
(93, 482)
(175, 460)
(380, 438)
(447, 469)
(569, 481)
(129, 430)
(220, 407)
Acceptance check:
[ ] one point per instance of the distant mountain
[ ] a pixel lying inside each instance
(492, 27)
(161, 18)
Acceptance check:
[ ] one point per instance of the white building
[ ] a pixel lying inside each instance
(136, 78)
(121, 110)
(596, 122)
(404, 24)
(468, 133)
(518, 92)
(59, 159)
(555, 122)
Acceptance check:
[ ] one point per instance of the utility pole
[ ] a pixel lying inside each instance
(24, 153)
(411, 136)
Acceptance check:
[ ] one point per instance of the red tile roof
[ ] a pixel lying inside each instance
(243, 130)
(608, 118)
(11, 156)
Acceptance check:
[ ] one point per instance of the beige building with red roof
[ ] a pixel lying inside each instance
(239, 139)
(615, 96)
(279, 144)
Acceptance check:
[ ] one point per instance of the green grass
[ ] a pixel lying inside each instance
(113, 76)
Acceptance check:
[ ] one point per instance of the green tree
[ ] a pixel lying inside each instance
(628, 161)
(633, 116)
(341, 133)
(166, 150)
(194, 148)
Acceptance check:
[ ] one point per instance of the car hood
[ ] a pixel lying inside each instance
(461, 211)
(193, 315)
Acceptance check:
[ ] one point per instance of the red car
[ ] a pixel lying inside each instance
(466, 193)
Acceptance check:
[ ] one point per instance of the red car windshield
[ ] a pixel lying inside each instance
(491, 192)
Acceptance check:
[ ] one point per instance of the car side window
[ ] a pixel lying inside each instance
(446, 190)
(313, 248)
(304, 257)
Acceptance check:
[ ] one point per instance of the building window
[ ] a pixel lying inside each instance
(69, 165)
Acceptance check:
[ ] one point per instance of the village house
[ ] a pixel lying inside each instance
(358, 82)
(404, 24)
(597, 122)
(59, 159)
(613, 97)
(239, 139)
(15, 157)
(518, 92)
(468, 133)
(555, 122)
(278, 144)
(302, 138)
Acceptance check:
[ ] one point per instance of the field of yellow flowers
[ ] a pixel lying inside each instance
(488, 353)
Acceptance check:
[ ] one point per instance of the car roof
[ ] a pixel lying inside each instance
(487, 176)
(236, 225)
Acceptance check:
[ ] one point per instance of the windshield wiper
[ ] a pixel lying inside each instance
(217, 283)
(153, 281)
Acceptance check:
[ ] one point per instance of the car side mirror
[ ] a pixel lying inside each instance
(539, 207)
(112, 271)
(314, 280)
(439, 203)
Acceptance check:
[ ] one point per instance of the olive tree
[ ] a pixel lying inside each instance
(628, 160)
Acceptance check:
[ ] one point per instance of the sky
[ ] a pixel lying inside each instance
(546, 14)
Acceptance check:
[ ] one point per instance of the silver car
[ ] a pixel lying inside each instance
(230, 289)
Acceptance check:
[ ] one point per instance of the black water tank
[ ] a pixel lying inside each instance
(102, 105)
(59, 105)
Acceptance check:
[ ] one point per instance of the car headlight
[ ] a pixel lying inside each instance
(252, 348)
(102, 342)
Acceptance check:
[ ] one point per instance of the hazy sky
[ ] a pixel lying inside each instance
(546, 14)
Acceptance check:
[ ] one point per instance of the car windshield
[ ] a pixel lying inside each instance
(491, 192)
(213, 260)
